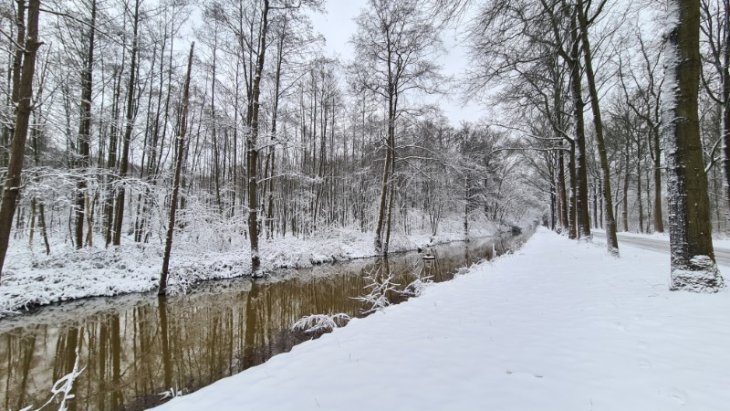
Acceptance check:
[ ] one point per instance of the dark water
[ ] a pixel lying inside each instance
(135, 347)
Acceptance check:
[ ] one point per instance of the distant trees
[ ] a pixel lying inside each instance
(715, 30)
(283, 140)
(542, 51)
(321, 145)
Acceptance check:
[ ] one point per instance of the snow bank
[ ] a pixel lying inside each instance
(32, 279)
(558, 326)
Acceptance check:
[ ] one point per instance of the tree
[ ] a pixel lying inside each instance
(179, 156)
(584, 22)
(716, 29)
(11, 188)
(693, 266)
(396, 42)
(252, 149)
(128, 128)
(644, 102)
(534, 47)
(85, 129)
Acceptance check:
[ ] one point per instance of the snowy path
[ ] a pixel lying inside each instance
(661, 244)
(559, 326)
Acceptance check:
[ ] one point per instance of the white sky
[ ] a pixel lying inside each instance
(337, 25)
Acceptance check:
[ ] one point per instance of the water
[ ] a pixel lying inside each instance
(136, 347)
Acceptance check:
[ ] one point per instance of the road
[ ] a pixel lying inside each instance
(722, 255)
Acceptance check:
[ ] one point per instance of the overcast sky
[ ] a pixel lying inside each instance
(337, 25)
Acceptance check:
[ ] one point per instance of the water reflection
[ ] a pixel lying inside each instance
(140, 346)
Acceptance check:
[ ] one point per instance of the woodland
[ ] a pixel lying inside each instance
(225, 124)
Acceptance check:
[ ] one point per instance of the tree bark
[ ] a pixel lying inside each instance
(658, 213)
(581, 168)
(693, 266)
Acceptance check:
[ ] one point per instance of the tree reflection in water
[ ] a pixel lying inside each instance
(135, 351)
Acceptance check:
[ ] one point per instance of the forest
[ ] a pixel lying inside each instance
(218, 126)
(364, 204)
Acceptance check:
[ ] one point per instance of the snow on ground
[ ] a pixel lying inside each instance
(558, 326)
(32, 279)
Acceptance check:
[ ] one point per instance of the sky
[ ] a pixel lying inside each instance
(337, 25)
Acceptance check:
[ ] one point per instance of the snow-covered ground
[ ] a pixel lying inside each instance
(560, 326)
(31, 278)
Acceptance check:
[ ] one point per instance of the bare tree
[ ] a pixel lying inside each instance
(179, 156)
(11, 188)
(396, 42)
(85, 129)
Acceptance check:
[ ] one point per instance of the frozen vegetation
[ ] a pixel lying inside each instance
(529, 331)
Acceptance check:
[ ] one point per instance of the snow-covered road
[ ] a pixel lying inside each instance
(559, 325)
(722, 253)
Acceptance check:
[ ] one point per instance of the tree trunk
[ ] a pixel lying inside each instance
(581, 168)
(611, 239)
(84, 131)
(180, 154)
(8, 129)
(625, 191)
(572, 215)
(124, 162)
(112, 160)
(562, 195)
(725, 115)
(638, 188)
(252, 149)
(693, 265)
(658, 213)
(11, 188)
(380, 247)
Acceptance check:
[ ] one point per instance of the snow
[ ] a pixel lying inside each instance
(560, 325)
(31, 279)
(719, 240)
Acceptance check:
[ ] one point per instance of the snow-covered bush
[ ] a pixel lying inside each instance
(171, 393)
(380, 287)
(416, 287)
(315, 323)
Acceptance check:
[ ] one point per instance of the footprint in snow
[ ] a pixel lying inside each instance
(678, 395)
(510, 372)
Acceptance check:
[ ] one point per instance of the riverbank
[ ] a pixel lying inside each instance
(32, 279)
(559, 325)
